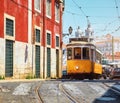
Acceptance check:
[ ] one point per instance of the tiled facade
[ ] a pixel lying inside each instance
(30, 38)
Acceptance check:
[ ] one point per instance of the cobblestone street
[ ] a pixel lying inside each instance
(53, 91)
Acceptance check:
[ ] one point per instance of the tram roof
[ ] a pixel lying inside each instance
(80, 41)
(83, 38)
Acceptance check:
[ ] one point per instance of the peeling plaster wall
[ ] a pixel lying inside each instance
(53, 63)
(2, 56)
(22, 59)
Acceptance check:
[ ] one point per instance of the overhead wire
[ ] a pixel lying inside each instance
(118, 16)
(22, 6)
(108, 24)
(117, 10)
(82, 11)
(87, 17)
(73, 13)
(70, 12)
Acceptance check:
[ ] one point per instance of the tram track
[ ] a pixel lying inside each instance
(40, 100)
(61, 88)
(73, 99)
(60, 92)
(68, 95)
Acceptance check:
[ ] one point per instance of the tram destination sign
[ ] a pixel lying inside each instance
(79, 39)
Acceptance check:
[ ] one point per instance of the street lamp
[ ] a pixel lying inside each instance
(66, 35)
(70, 29)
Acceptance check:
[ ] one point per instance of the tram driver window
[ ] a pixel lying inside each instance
(85, 53)
(69, 53)
(77, 53)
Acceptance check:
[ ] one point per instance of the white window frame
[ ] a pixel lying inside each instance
(49, 8)
(11, 18)
(50, 38)
(57, 12)
(36, 5)
(38, 43)
(57, 47)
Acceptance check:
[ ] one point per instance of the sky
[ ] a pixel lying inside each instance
(103, 15)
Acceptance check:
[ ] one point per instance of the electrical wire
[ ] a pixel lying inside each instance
(73, 13)
(88, 21)
(79, 8)
(117, 8)
(22, 6)
(101, 16)
(118, 17)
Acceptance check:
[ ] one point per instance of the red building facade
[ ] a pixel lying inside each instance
(30, 38)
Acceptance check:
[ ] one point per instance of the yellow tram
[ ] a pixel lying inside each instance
(83, 59)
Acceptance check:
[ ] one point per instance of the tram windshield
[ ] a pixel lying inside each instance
(69, 53)
(77, 53)
(85, 53)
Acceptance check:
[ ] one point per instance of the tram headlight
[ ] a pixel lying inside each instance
(76, 67)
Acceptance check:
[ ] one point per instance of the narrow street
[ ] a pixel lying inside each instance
(60, 91)
(18, 92)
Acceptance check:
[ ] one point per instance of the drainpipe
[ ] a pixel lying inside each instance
(44, 33)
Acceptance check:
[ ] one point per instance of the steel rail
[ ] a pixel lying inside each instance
(72, 98)
(38, 94)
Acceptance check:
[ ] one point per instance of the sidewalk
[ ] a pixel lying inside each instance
(20, 80)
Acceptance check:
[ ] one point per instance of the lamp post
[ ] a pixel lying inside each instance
(70, 29)
(66, 35)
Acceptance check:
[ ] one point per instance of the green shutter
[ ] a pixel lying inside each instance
(9, 59)
(9, 27)
(37, 32)
(37, 62)
(48, 62)
(48, 39)
(57, 41)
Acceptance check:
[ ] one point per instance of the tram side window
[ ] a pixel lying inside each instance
(85, 53)
(69, 53)
(98, 57)
(77, 53)
(92, 54)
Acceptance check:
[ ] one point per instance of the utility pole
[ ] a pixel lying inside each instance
(112, 49)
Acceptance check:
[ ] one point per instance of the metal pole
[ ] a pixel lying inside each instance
(44, 39)
(112, 49)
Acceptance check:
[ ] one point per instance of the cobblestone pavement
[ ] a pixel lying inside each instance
(23, 91)
(18, 92)
(50, 92)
